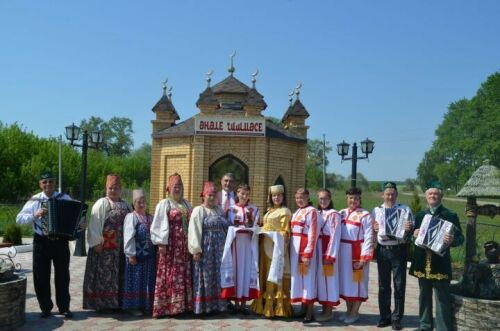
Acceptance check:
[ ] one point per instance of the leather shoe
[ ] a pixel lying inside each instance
(383, 323)
(307, 320)
(45, 314)
(67, 314)
(351, 319)
(396, 325)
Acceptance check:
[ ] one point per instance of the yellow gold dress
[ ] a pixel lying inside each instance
(274, 300)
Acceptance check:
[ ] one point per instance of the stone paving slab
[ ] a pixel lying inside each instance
(90, 320)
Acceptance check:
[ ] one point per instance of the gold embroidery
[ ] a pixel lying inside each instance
(428, 274)
(427, 262)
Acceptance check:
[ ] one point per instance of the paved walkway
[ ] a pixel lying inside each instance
(89, 320)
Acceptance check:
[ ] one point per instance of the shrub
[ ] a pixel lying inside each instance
(415, 204)
(13, 234)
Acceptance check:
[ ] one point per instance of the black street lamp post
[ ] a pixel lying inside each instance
(96, 138)
(343, 149)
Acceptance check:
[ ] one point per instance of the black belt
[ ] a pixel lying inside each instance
(391, 247)
(51, 238)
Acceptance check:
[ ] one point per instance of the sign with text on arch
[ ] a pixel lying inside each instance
(230, 126)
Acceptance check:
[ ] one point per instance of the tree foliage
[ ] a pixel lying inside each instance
(117, 133)
(468, 135)
(415, 203)
(24, 156)
(314, 162)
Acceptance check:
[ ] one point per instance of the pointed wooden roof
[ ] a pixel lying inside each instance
(165, 105)
(230, 85)
(297, 109)
(254, 98)
(207, 97)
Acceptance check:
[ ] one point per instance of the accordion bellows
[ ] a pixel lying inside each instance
(64, 218)
(432, 232)
(393, 224)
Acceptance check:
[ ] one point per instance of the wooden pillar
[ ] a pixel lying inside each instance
(470, 232)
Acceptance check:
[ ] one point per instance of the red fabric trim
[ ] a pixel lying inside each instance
(366, 258)
(329, 303)
(252, 294)
(228, 292)
(346, 298)
(295, 223)
(295, 234)
(314, 229)
(306, 301)
(347, 241)
(329, 258)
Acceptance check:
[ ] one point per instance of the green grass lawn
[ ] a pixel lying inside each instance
(8, 213)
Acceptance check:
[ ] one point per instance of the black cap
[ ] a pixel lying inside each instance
(435, 184)
(46, 175)
(390, 185)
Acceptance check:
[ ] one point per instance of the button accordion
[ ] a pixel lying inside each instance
(432, 232)
(64, 218)
(392, 226)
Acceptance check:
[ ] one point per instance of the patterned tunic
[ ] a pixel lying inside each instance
(138, 290)
(207, 235)
(356, 244)
(173, 292)
(245, 218)
(104, 271)
(305, 230)
(328, 257)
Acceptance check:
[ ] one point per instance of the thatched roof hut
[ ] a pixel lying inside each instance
(484, 183)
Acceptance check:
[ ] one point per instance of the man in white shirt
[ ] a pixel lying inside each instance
(47, 249)
(391, 254)
(226, 197)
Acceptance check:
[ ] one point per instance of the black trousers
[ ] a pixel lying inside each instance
(391, 259)
(45, 251)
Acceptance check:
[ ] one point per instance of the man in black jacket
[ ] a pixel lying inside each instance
(432, 270)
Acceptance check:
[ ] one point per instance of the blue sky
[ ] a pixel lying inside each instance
(386, 70)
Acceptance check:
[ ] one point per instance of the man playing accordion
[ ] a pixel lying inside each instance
(47, 249)
(432, 270)
(393, 221)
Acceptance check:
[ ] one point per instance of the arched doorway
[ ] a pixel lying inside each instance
(225, 164)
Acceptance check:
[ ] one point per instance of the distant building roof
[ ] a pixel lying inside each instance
(254, 98)
(297, 109)
(164, 104)
(230, 85)
(207, 97)
(484, 183)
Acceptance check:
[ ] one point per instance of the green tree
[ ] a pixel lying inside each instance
(314, 162)
(274, 120)
(415, 203)
(24, 155)
(361, 181)
(117, 133)
(469, 134)
(410, 184)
